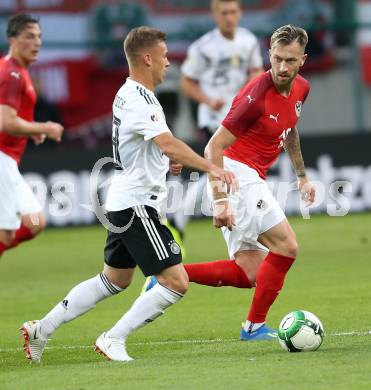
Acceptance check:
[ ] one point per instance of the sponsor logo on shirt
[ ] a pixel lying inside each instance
(250, 98)
(157, 117)
(16, 75)
(274, 117)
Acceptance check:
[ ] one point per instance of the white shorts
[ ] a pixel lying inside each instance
(16, 197)
(254, 207)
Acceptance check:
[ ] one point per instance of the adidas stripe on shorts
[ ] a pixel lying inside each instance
(144, 241)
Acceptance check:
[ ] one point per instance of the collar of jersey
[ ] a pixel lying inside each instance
(131, 81)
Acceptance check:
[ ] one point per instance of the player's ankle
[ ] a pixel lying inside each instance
(252, 326)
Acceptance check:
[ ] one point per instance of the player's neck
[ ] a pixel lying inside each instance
(142, 78)
(227, 35)
(284, 90)
(21, 61)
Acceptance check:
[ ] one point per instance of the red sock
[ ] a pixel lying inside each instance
(2, 248)
(269, 281)
(218, 273)
(22, 234)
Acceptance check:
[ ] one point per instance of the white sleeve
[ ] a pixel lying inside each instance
(152, 123)
(195, 64)
(255, 60)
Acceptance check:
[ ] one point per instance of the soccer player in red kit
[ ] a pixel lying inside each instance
(261, 122)
(21, 216)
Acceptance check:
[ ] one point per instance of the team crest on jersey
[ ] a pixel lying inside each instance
(298, 106)
(174, 247)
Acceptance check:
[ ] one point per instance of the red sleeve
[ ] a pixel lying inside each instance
(246, 109)
(11, 87)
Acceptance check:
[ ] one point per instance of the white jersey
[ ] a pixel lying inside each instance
(140, 165)
(221, 66)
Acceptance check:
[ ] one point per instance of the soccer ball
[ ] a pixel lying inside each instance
(300, 331)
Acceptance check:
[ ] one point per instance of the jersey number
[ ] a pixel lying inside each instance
(283, 137)
(115, 143)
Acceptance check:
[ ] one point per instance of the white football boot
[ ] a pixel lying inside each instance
(112, 348)
(34, 342)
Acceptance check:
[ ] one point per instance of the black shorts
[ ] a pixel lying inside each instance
(144, 241)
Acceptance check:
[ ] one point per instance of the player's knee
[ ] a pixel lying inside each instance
(183, 285)
(42, 223)
(179, 283)
(35, 223)
(291, 248)
(7, 237)
(120, 279)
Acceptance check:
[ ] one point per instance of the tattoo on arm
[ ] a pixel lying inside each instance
(292, 147)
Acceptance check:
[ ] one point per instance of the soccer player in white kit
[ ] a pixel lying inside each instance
(143, 147)
(218, 64)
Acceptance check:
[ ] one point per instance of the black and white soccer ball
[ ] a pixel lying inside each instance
(300, 331)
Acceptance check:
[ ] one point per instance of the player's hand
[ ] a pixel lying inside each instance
(216, 104)
(223, 215)
(226, 177)
(307, 191)
(38, 139)
(175, 168)
(54, 131)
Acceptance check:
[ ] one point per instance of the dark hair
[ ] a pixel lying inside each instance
(288, 34)
(141, 38)
(214, 3)
(17, 23)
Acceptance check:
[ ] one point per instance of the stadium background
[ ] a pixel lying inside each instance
(81, 66)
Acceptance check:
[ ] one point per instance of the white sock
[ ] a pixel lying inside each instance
(252, 326)
(78, 301)
(145, 309)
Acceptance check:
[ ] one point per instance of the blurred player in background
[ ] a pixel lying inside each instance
(218, 64)
(142, 147)
(261, 122)
(9, 222)
(21, 216)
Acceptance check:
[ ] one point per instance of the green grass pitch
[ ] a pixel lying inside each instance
(195, 344)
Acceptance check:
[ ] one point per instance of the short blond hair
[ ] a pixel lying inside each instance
(141, 38)
(214, 3)
(288, 34)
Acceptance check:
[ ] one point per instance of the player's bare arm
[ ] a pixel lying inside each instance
(178, 151)
(14, 125)
(191, 88)
(214, 152)
(293, 149)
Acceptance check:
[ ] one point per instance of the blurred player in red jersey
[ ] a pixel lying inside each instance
(261, 122)
(21, 216)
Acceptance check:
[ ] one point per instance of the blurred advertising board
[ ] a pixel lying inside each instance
(72, 192)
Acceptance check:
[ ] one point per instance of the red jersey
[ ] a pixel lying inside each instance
(261, 118)
(16, 90)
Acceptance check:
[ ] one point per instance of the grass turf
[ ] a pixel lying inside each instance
(195, 344)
